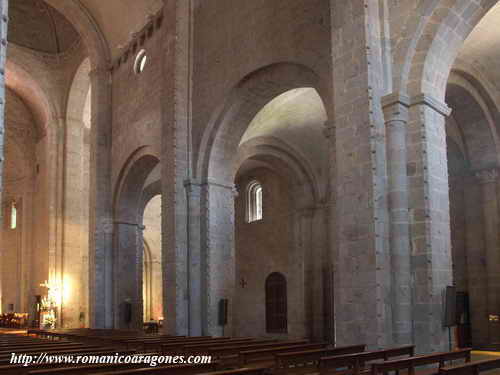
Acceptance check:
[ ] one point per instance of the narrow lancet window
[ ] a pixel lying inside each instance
(254, 202)
(13, 215)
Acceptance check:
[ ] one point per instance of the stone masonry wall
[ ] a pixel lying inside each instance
(262, 247)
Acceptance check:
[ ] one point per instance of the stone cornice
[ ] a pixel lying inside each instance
(395, 107)
(395, 98)
(329, 129)
(430, 101)
(487, 176)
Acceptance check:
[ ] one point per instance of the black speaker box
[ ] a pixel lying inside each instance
(450, 314)
(223, 312)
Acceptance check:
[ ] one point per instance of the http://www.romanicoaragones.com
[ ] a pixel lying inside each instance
(151, 360)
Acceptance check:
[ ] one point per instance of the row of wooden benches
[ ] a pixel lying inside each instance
(291, 357)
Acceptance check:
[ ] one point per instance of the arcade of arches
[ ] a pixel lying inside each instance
(326, 167)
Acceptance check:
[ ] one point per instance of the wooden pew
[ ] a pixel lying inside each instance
(228, 355)
(42, 348)
(205, 347)
(471, 368)
(267, 354)
(245, 371)
(303, 361)
(19, 369)
(169, 348)
(149, 343)
(358, 361)
(409, 364)
(224, 350)
(164, 370)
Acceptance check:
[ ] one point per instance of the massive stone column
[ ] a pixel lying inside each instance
(100, 198)
(396, 118)
(4, 19)
(429, 220)
(176, 163)
(362, 272)
(300, 285)
(320, 272)
(218, 256)
(74, 246)
(129, 246)
(194, 194)
(330, 238)
(477, 276)
(488, 180)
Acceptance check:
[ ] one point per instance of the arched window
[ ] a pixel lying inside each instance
(276, 303)
(254, 201)
(13, 215)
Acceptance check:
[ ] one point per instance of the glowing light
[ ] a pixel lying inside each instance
(13, 215)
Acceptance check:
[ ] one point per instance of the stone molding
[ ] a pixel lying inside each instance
(107, 225)
(432, 102)
(329, 130)
(222, 186)
(487, 176)
(139, 226)
(192, 187)
(395, 107)
(395, 98)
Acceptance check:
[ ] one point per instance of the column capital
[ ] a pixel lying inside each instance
(306, 212)
(100, 72)
(487, 176)
(329, 129)
(138, 226)
(395, 107)
(231, 187)
(192, 186)
(395, 98)
(107, 225)
(432, 102)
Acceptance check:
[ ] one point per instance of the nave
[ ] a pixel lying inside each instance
(291, 180)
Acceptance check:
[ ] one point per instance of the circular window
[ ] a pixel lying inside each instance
(140, 61)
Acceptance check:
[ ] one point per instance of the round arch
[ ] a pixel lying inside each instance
(280, 158)
(431, 52)
(230, 121)
(128, 239)
(475, 124)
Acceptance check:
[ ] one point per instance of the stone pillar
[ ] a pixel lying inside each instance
(488, 180)
(477, 275)
(4, 20)
(128, 261)
(194, 257)
(301, 282)
(218, 256)
(176, 162)
(74, 246)
(429, 220)
(361, 252)
(330, 238)
(395, 108)
(100, 203)
(320, 271)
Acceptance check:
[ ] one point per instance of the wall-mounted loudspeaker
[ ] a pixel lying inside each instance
(223, 312)
(450, 311)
